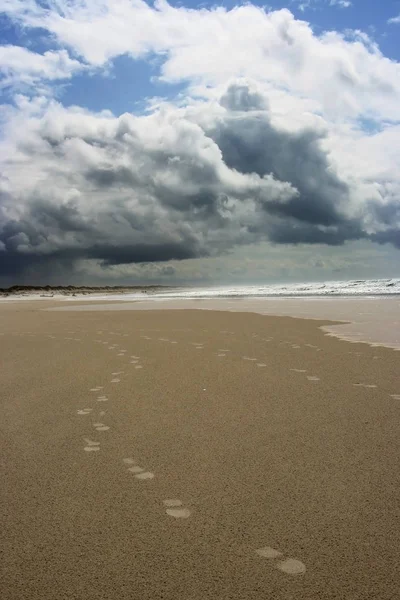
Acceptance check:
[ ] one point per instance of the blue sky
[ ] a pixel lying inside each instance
(126, 82)
(189, 142)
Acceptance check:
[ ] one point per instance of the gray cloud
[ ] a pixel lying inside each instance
(250, 143)
(163, 186)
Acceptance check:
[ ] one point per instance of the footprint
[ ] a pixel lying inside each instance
(100, 427)
(128, 461)
(299, 370)
(268, 552)
(365, 385)
(84, 411)
(91, 446)
(248, 358)
(117, 373)
(102, 399)
(145, 475)
(261, 365)
(139, 367)
(313, 378)
(176, 509)
(135, 356)
(290, 566)
(136, 469)
(223, 350)
(96, 389)
(115, 380)
(395, 396)
(134, 362)
(221, 354)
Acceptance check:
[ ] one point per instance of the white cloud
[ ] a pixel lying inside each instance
(341, 3)
(21, 68)
(304, 5)
(394, 20)
(345, 77)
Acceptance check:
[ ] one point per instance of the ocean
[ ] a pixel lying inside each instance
(356, 287)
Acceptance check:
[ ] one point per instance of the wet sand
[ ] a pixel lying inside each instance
(358, 319)
(187, 455)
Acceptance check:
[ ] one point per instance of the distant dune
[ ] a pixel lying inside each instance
(71, 290)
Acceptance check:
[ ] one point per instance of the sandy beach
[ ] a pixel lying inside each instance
(193, 455)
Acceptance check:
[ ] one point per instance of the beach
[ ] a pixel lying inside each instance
(195, 454)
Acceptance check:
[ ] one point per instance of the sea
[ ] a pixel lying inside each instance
(364, 310)
(355, 287)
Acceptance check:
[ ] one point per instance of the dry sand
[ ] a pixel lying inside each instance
(219, 477)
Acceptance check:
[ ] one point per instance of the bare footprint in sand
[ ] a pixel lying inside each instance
(91, 446)
(365, 385)
(176, 509)
(100, 427)
(290, 566)
(313, 378)
(84, 411)
(145, 475)
(395, 396)
(299, 370)
(137, 470)
(115, 380)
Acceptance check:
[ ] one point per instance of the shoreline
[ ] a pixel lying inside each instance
(356, 319)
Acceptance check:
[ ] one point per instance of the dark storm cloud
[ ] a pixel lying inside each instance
(162, 187)
(250, 143)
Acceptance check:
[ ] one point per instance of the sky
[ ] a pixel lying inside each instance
(199, 143)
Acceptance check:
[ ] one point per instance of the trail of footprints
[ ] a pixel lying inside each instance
(174, 507)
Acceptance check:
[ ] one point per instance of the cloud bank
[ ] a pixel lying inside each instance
(269, 141)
